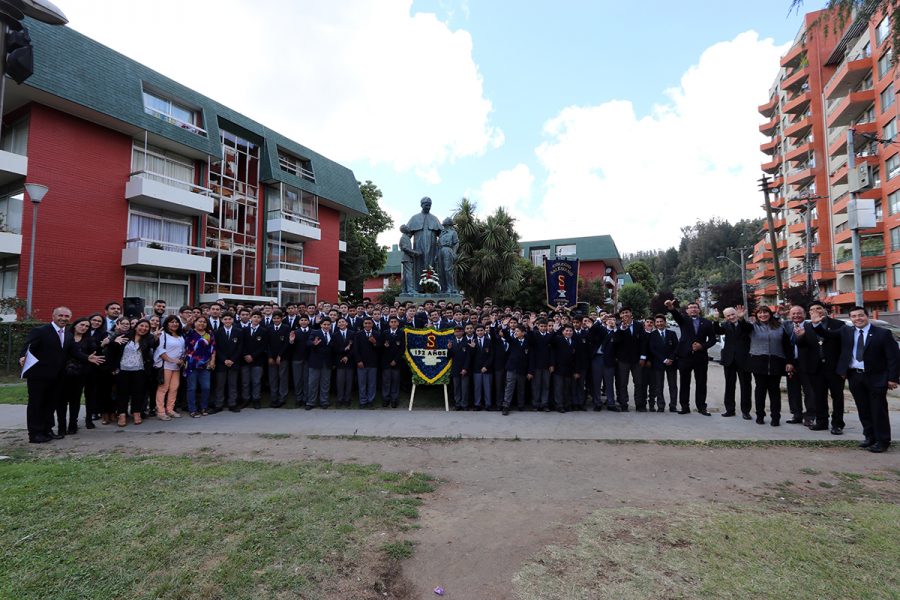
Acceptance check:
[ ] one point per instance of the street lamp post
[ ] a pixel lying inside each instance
(36, 193)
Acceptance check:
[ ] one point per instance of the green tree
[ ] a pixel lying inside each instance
(592, 291)
(532, 291)
(840, 13)
(635, 297)
(391, 292)
(487, 262)
(641, 273)
(364, 256)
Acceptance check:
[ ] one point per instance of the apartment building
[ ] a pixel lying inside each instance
(832, 82)
(156, 191)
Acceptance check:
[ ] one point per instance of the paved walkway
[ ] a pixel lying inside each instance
(432, 423)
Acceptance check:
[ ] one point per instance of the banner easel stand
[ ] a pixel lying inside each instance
(412, 397)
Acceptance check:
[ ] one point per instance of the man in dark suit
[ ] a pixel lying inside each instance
(697, 337)
(539, 366)
(483, 369)
(277, 352)
(393, 343)
(461, 368)
(661, 347)
(516, 369)
(51, 346)
(256, 341)
(300, 358)
(365, 355)
(805, 350)
(631, 352)
(320, 344)
(827, 381)
(735, 354)
(564, 357)
(870, 360)
(229, 356)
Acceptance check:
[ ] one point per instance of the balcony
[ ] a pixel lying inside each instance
(840, 204)
(771, 146)
(769, 127)
(777, 202)
(12, 167)
(288, 272)
(800, 226)
(768, 109)
(293, 226)
(839, 175)
(870, 259)
(868, 296)
(798, 104)
(798, 251)
(773, 165)
(796, 78)
(164, 256)
(799, 128)
(159, 191)
(794, 56)
(849, 107)
(848, 76)
(799, 152)
(801, 176)
(10, 244)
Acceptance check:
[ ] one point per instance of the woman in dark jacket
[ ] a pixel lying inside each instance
(771, 357)
(97, 333)
(130, 357)
(74, 377)
(105, 379)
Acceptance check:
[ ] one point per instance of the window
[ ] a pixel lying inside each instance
(11, 212)
(295, 292)
(538, 254)
(172, 112)
(875, 281)
(868, 116)
(284, 256)
(876, 177)
(160, 231)
(9, 277)
(153, 285)
(15, 138)
(895, 275)
(884, 63)
(895, 239)
(887, 97)
(161, 165)
(565, 250)
(879, 213)
(300, 167)
(892, 166)
(288, 202)
(889, 131)
(894, 202)
(882, 31)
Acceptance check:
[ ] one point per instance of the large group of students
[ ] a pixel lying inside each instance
(216, 356)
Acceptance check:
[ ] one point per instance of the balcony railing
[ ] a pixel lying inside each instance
(174, 182)
(295, 217)
(139, 242)
(291, 266)
(162, 116)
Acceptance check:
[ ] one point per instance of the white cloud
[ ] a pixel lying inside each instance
(640, 178)
(355, 80)
(511, 188)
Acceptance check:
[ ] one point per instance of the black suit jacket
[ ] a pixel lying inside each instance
(256, 344)
(564, 356)
(393, 346)
(880, 356)
(483, 356)
(631, 343)
(278, 342)
(517, 356)
(661, 348)
(828, 332)
(364, 350)
(229, 347)
(43, 343)
(705, 336)
(736, 350)
(808, 359)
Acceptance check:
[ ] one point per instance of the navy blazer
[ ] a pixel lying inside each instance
(517, 356)
(736, 348)
(880, 356)
(319, 352)
(705, 335)
(229, 347)
(461, 354)
(393, 347)
(483, 356)
(364, 351)
(662, 348)
(564, 356)
(43, 342)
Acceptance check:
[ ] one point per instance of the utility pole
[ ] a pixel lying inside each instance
(744, 275)
(764, 186)
(854, 224)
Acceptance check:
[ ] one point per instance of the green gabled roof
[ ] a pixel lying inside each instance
(72, 66)
(625, 279)
(595, 247)
(392, 264)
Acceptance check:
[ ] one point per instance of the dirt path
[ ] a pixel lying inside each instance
(501, 502)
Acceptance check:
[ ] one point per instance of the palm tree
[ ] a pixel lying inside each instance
(487, 260)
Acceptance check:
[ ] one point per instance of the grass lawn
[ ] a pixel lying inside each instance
(197, 527)
(840, 543)
(14, 394)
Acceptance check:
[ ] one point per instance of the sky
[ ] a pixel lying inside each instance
(580, 117)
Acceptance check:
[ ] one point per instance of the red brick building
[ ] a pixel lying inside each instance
(156, 191)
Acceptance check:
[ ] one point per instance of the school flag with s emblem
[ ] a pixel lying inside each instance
(427, 355)
(562, 281)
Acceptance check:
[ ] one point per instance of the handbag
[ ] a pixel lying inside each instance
(157, 354)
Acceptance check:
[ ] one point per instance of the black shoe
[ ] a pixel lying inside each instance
(325, 406)
(459, 409)
(760, 420)
(817, 427)
(746, 416)
(72, 430)
(661, 409)
(561, 409)
(684, 411)
(394, 404)
(729, 413)
(308, 407)
(56, 436)
(673, 409)
(598, 408)
(234, 409)
(623, 408)
(705, 413)
(808, 422)
(837, 431)
(39, 439)
(505, 411)
(478, 409)
(613, 408)
(867, 442)
(776, 421)
(878, 447)
(213, 410)
(89, 425)
(640, 409)
(795, 420)
(256, 406)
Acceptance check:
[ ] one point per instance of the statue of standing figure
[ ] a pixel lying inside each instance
(425, 229)
(409, 280)
(449, 244)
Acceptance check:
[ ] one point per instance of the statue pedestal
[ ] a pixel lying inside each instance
(420, 297)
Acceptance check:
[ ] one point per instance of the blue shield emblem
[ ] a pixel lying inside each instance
(427, 354)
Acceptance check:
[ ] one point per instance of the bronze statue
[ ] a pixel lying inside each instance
(409, 279)
(425, 228)
(449, 244)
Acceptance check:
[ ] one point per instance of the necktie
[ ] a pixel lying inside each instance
(327, 339)
(62, 337)
(696, 326)
(860, 346)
